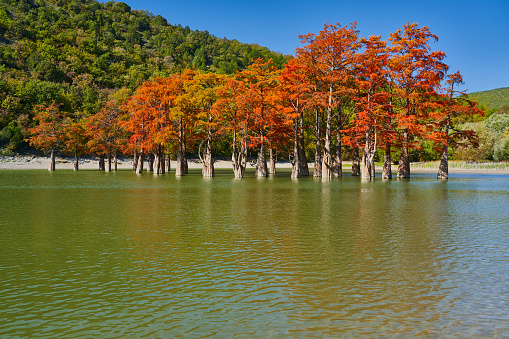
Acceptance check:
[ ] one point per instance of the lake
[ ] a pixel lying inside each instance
(115, 255)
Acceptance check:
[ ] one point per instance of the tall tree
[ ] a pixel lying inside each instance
(261, 81)
(417, 72)
(329, 55)
(295, 91)
(47, 134)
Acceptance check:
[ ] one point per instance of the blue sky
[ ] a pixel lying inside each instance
(473, 34)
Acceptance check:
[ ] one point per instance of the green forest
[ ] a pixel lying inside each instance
(79, 53)
(492, 100)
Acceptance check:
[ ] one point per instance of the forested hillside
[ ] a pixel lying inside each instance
(79, 53)
(492, 99)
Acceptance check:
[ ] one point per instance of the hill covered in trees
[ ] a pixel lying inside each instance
(492, 99)
(77, 53)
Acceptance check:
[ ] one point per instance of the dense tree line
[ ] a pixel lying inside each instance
(341, 96)
(76, 53)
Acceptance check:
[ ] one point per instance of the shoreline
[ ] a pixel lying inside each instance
(30, 162)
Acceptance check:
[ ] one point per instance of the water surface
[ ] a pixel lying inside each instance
(115, 255)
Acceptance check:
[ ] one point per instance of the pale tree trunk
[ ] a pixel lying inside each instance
(261, 162)
(356, 166)
(327, 147)
(296, 163)
(207, 161)
(317, 173)
(239, 157)
(272, 161)
(115, 162)
(387, 169)
(101, 162)
(51, 167)
(108, 163)
(157, 162)
(139, 168)
(180, 169)
(76, 162)
(135, 160)
(404, 160)
(443, 169)
(368, 156)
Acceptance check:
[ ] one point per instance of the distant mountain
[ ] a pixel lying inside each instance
(492, 99)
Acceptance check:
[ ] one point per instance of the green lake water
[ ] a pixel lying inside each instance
(90, 254)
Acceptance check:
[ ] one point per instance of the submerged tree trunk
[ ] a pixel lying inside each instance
(135, 160)
(337, 168)
(303, 162)
(101, 162)
(108, 163)
(139, 168)
(387, 169)
(208, 162)
(296, 162)
(261, 162)
(76, 162)
(150, 162)
(239, 156)
(356, 166)
(51, 167)
(168, 163)
(180, 169)
(327, 148)
(443, 169)
(404, 160)
(317, 172)
(272, 161)
(368, 156)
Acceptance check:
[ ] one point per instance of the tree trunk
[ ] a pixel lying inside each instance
(157, 162)
(135, 160)
(303, 162)
(296, 163)
(150, 162)
(101, 162)
(162, 161)
(208, 162)
(337, 169)
(168, 162)
(327, 148)
(356, 166)
(387, 169)
(365, 166)
(272, 161)
(139, 168)
(180, 169)
(317, 172)
(261, 162)
(76, 162)
(115, 165)
(443, 169)
(108, 164)
(239, 157)
(404, 160)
